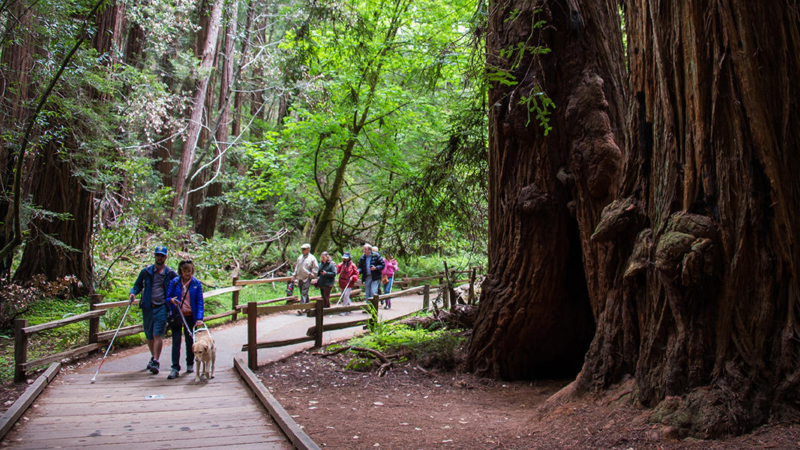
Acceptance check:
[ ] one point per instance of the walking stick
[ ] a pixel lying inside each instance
(94, 378)
(345, 288)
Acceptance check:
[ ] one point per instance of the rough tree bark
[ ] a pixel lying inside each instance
(198, 100)
(208, 221)
(55, 189)
(693, 278)
(546, 192)
(17, 63)
(704, 309)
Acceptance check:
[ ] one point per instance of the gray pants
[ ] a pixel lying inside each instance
(304, 285)
(369, 288)
(345, 298)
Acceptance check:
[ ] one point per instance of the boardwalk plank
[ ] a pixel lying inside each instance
(150, 426)
(232, 434)
(180, 441)
(187, 407)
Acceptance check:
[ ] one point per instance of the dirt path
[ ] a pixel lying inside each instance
(412, 409)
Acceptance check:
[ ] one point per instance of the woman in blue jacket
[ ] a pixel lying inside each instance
(185, 294)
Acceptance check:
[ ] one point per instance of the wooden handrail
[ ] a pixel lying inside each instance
(62, 355)
(402, 293)
(261, 281)
(126, 331)
(266, 302)
(262, 310)
(217, 292)
(60, 323)
(112, 305)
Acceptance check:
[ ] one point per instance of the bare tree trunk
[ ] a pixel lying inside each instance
(705, 302)
(17, 63)
(198, 100)
(55, 189)
(238, 99)
(208, 222)
(546, 192)
(61, 246)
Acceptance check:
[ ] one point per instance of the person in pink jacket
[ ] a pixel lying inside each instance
(389, 269)
(348, 276)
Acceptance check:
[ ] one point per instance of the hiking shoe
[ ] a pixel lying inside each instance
(388, 307)
(190, 369)
(341, 314)
(172, 375)
(150, 364)
(154, 366)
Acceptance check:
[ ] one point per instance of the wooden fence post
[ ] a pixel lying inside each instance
(20, 349)
(252, 335)
(446, 296)
(318, 333)
(235, 301)
(375, 301)
(94, 323)
(426, 297)
(472, 277)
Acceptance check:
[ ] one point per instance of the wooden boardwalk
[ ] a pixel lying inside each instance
(143, 411)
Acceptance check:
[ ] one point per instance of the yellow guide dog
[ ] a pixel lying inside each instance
(205, 353)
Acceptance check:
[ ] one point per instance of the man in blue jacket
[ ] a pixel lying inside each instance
(370, 266)
(152, 283)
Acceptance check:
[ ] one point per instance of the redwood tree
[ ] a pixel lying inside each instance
(693, 281)
(705, 300)
(546, 190)
(60, 245)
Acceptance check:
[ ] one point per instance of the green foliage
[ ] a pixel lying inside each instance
(432, 348)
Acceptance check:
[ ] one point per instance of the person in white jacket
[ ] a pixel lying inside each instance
(304, 271)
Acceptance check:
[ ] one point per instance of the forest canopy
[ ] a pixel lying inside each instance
(331, 122)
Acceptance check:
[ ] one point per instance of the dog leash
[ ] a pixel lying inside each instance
(205, 327)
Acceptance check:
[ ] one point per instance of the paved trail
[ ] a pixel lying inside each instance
(129, 406)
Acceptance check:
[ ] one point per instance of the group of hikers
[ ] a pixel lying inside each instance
(175, 299)
(376, 273)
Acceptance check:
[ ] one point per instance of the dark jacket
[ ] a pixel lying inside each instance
(195, 297)
(377, 261)
(329, 277)
(144, 284)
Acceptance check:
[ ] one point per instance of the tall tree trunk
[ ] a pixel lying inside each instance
(546, 192)
(322, 229)
(208, 222)
(17, 63)
(198, 100)
(57, 190)
(61, 246)
(134, 49)
(705, 304)
(238, 99)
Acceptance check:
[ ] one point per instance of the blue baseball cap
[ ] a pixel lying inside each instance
(161, 251)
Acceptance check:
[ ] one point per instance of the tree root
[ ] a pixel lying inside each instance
(386, 364)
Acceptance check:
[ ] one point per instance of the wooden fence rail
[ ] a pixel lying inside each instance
(97, 309)
(253, 310)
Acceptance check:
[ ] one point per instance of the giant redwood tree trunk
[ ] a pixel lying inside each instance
(546, 192)
(692, 269)
(705, 305)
